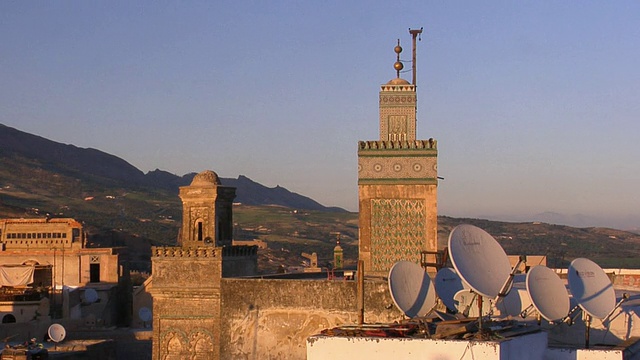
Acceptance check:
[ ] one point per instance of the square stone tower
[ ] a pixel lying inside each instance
(186, 279)
(397, 184)
(206, 212)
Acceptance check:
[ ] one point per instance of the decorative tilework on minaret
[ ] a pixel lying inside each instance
(397, 183)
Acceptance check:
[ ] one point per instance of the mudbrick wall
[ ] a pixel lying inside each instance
(271, 319)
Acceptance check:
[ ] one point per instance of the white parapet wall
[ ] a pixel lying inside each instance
(524, 347)
(584, 354)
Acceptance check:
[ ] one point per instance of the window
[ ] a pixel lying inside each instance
(199, 230)
(8, 318)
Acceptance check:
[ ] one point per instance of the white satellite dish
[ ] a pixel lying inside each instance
(144, 313)
(591, 288)
(465, 301)
(90, 295)
(447, 284)
(57, 332)
(548, 293)
(411, 289)
(512, 304)
(479, 260)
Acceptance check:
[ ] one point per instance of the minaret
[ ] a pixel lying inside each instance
(338, 253)
(397, 182)
(206, 212)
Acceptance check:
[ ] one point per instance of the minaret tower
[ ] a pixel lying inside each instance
(397, 181)
(206, 212)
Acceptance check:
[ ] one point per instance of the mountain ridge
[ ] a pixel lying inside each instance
(103, 167)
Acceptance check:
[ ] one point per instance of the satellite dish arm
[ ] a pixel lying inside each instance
(624, 298)
(507, 284)
(569, 319)
(526, 311)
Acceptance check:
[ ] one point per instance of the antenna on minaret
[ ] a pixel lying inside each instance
(414, 33)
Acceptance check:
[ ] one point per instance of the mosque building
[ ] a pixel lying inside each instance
(207, 306)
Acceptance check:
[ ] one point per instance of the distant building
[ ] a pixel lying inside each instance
(46, 260)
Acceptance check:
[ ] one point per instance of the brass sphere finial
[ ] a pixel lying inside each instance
(398, 65)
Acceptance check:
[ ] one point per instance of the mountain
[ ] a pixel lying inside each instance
(99, 167)
(121, 206)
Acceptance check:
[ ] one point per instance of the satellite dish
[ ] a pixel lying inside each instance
(465, 302)
(447, 284)
(548, 293)
(591, 288)
(57, 332)
(513, 303)
(411, 289)
(90, 295)
(479, 260)
(145, 314)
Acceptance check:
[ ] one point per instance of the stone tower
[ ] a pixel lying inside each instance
(206, 212)
(186, 279)
(397, 183)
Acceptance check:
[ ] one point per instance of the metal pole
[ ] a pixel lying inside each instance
(360, 292)
(414, 34)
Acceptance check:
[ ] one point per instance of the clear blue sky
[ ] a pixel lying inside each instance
(535, 104)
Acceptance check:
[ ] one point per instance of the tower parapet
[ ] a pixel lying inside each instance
(382, 144)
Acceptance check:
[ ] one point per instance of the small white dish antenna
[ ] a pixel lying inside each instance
(479, 260)
(144, 313)
(466, 302)
(591, 288)
(90, 295)
(548, 293)
(57, 332)
(411, 289)
(447, 284)
(513, 302)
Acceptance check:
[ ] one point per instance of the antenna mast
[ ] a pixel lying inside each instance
(414, 33)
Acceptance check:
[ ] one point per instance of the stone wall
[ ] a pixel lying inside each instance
(271, 319)
(186, 302)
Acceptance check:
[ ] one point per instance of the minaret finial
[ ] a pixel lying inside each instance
(398, 65)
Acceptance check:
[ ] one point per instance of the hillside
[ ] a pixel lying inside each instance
(85, 172)
(120, 205)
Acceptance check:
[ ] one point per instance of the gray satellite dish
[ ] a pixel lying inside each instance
(513, 302)
(465, 302)
(57, 332)
(591, 288)
(90, 295)
(447, 284)
(411, 289)
(144, 313)
(479, 260)
(548, 293)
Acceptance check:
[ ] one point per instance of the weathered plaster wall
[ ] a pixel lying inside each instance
(271, 319)
(186, 302)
